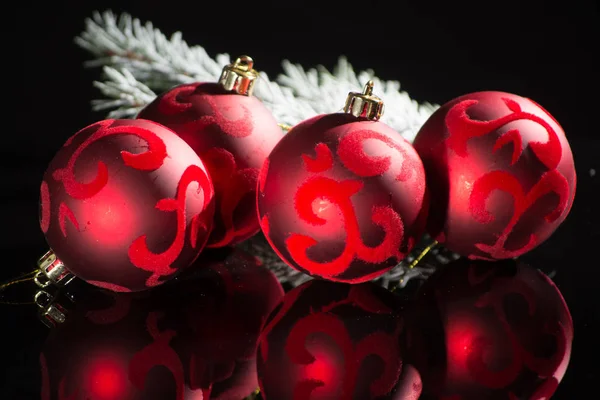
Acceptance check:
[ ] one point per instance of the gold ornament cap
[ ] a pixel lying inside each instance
(51, 274)
(365, 104)
(239, 76)
(52, 271)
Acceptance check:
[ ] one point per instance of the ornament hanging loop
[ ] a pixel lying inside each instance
(365, 104)
(51, 313)
(41, 280)
(42, 299)
(368, 89)
(239, 76)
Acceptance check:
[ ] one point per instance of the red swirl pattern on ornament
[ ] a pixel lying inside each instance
(511, 137)
(160, 264)
(312, 348)
(352, 154)
(506, 330)
(178, 100)
(339, 194)
(379, 344)
(341, 198)
(550, 182)
(173, 103)
(262, 177)
(479, 151)
(157, 353)
(104, 204)
(461, 128)
(146, 161)
(45, 207)
(232, 134)
(501, 289)
(288, 302)
(322, 161)
(64, 214)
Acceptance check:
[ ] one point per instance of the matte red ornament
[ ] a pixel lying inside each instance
(233, 134)
(193, 339)
(342, 198)
(125, 204)
(330, 340)
(500, 172)
(481, 330)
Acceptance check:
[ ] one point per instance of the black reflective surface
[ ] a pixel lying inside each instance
(543, 52)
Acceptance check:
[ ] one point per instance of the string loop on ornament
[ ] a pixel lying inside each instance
(42, 299)
(20, 279)
(41, 280)
(23, 278)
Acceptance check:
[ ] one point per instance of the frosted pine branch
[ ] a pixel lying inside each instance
(126, 95)
(147, 53)
(159, 63)
(326, 92)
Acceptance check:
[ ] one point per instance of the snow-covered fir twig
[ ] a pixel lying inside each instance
(159, 63)
(139, 61)
(126, 95)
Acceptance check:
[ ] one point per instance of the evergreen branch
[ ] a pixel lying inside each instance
(159, 63)
(124, 93)
(147, 53)
(326, 91)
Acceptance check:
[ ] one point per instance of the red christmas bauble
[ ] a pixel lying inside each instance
(500, 173)
(330, 340)
(481, 330)
(192, 339)
(342, 198)
(125, 204)
(233, 134)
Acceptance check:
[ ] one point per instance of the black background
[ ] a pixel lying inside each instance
(544, 52)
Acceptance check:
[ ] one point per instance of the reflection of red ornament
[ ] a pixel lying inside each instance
(125, 204)
(481, 330)
(193, 339)
(331, 340)
(233, 134)
(500, 172)
(341, 197)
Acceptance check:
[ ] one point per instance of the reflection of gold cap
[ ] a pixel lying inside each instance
(239, 76)
(364, 104)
